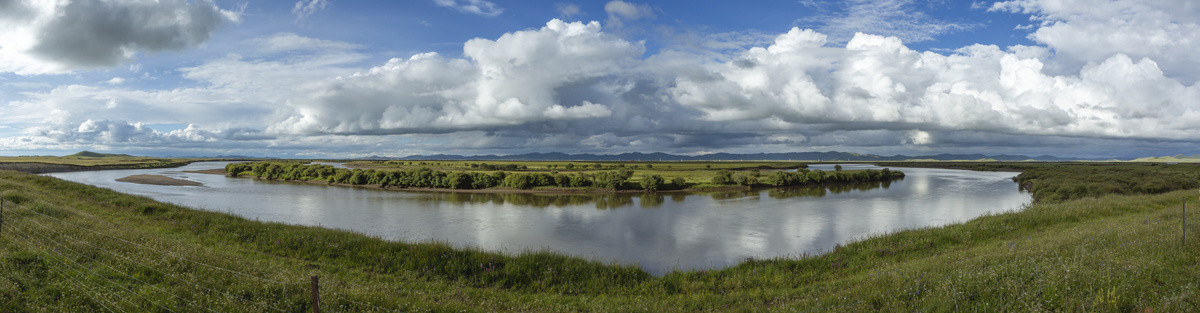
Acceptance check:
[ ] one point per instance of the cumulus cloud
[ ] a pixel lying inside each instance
(230, 93)
(115, 132)
(41, 37)
(477, 7)
(572, 78)
(877, 82)
(1083, 31)
(574, 86)
(510, 81)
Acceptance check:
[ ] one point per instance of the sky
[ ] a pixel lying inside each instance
(345, 79)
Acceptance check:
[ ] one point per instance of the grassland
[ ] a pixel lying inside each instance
(1064, 181)
(85, 161)
(73, 247)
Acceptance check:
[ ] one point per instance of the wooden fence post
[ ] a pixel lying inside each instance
(316, 295)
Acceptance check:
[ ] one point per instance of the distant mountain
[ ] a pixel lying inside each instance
(89, 154)
(1176, 159)
(831, 156)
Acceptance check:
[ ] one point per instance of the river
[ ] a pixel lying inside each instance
(660, 233)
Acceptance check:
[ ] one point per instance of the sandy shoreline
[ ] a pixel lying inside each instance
(215, 171)
(157, 180)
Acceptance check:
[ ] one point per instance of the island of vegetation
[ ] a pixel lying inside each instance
(70, 247)
(558, 177)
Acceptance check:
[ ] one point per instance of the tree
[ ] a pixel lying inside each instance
(457, 180)
(837, 168)
(652, 182)
(724, 177)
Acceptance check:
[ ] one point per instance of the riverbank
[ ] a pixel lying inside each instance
(157, 180)
(51, 164)
(69, 247)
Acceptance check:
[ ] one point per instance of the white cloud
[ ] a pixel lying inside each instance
(477, 7)
(576, 87)
(115, 81)
(877, 82)
(231, 93)
(627, 10)
(575, 72)
(513, 80)
(289, 42)
(896, 18)
(62, 36)
(1082, 31)
(621, 11)
(568, 9)
(303, 8)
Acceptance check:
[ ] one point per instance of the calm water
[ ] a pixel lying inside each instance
(658, 232)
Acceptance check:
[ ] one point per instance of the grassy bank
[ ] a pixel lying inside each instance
(86, 161)
(1058, 181)
(73, 247)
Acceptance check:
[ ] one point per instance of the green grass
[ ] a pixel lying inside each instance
(90, 161)
(1055, 181)
(1112, 253)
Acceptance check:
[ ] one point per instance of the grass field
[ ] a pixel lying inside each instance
(73, 247)
(85, 161)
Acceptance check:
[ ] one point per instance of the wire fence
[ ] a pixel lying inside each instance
(118, 274)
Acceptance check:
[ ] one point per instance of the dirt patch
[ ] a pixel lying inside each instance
(215, 171)
(157, 180)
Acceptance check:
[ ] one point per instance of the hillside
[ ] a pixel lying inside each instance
(89, 154)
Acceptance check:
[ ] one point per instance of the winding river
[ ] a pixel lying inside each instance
(660, 233)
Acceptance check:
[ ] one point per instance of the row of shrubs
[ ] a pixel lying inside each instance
(804, 177)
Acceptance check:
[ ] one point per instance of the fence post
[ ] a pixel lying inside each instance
(316, 295)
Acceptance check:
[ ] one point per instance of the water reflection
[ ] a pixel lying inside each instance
(660, 231)
(608, 201)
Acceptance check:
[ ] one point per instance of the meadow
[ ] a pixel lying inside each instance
(74, 247)
(84, 161)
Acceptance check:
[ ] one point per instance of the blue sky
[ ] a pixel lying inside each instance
(329, 78)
